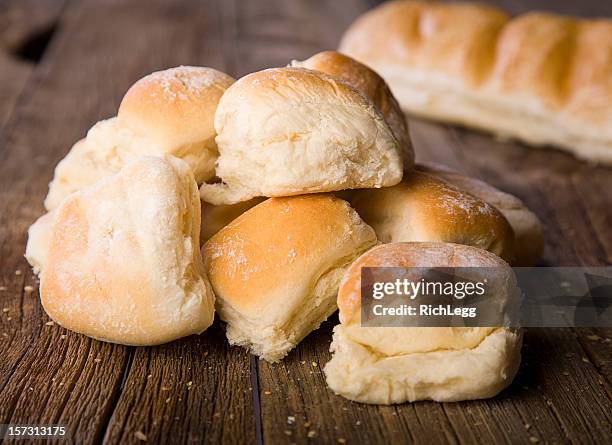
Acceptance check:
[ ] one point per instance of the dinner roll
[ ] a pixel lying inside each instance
(368, 82)
(386, 365)
(425, 208)
(175, 110)
(39, 238)
(214, 218)
(528, 236)
(276, 269)
(124, 263)
(291, 131)
(167, 112)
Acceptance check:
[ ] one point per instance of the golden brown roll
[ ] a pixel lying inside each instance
(527, 228)
(167, 112)
(291, 131)
(386, 365)
(541, 78)
(368, 82)
(123, 262)
(214, 218)
(425, 208)
(276, 269)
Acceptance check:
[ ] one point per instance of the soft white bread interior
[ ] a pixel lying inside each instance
(368, 82)
(425, 208)
(539, 77)
(527, 228)
(276, 269)
(290, 131)
(39, 238)
(167, 112)
(123, 263)
(444, 375)
(386, 365)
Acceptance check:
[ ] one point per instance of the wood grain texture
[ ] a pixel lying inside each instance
(24, 21)
(572, 198)
(24, 25)
(47, 374)
(15, 74)
(297, 406)
(199, 389)
(195, 390)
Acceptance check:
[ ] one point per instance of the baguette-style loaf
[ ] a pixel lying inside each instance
(539, 77)
(370, 84)
(276, 269)
(166, 112)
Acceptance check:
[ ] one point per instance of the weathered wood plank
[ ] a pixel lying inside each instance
(27, 381)
(188, 391)
(273, 33)
(14, 75)
(571, 386)
(47, 375)
(563, 192)
(25, 27)
(297, 405)
(597, 344)
(23, 22)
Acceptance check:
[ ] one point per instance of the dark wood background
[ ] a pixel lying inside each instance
(66, 64)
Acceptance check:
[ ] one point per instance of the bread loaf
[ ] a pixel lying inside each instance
(39, 238)
(539, 77)
(214, 218)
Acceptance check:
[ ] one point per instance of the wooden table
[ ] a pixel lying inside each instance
(66, 64)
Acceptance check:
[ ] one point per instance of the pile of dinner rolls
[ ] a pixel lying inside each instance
(261, 199)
